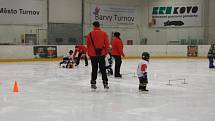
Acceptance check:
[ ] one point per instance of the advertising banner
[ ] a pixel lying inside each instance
(175, 15)
(113, 15)
(21, 12)
(45, 51)
(192, 51)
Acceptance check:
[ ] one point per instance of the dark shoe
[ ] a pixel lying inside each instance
(106, 86)
(212, 67)
(140, 87)
(86, 64)
(119, 76)
(93, 86)
(143, 88)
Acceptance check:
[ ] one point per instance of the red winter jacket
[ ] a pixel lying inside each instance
(80, 49)
(100, 40)
(117, 47)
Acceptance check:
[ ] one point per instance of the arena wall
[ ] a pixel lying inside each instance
(153, 35)
(173, 51)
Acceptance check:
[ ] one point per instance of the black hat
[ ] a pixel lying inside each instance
(116, 34)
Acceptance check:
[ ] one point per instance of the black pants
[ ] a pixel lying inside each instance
(79, 58)
(143, 80)
(118, 62)
(98, 61)
(211, 61)
(65, 59)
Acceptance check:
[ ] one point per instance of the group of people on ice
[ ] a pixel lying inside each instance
(72, 59)
(101, 57)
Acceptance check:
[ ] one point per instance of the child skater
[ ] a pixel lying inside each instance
(211, 56)
(67, 60)
(108, 63)
(142, 71)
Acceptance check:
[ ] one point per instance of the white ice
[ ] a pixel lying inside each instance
(49, 93)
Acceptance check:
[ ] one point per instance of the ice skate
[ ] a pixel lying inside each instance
(143, 88)
(118, 76)
(106, 86)
(93, 86)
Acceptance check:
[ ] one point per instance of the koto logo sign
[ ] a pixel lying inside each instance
(175, 10)
(176, 16)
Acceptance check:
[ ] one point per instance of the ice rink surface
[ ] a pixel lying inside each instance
(49, 93)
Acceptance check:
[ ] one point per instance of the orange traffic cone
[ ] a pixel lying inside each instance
(15, 87)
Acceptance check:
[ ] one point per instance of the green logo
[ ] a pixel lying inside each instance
(175, 10)
(162, 10)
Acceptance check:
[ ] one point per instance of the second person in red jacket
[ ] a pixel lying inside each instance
(82, 51)
(117, 52)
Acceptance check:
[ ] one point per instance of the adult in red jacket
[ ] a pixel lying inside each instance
(98, 46)
(117, 52)
(82, 51)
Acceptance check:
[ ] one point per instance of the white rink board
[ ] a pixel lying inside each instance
(22, 52)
